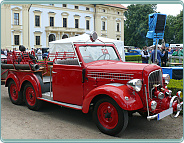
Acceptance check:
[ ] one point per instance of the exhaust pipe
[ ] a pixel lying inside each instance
(34, 67)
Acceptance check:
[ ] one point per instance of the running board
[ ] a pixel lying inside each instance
(47, 95)
(62, 104)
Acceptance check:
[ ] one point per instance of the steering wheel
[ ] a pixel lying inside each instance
(104, 56)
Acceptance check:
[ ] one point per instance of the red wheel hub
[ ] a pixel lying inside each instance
(107, 115)
(13, 92)
(30, 96)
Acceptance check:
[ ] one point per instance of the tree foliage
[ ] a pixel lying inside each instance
(136, 24)
(174, 29)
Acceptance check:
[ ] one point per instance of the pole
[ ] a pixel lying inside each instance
(156, 52)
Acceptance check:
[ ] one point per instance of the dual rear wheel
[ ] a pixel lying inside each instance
(29, 95)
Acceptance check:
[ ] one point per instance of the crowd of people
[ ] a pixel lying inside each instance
(162, 55)
(38, 52)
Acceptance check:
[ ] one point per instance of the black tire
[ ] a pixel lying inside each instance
(113, 121)
(15, 96)
(30, 97)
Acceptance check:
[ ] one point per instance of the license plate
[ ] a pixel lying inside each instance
(165, 113)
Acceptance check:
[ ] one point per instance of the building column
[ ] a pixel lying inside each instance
(25, 25)
(122, 29)
(47, 39)
(6, 27)
(98, 24)
(111, 32)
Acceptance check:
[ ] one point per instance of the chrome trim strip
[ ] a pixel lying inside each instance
(63, 104)
(115, 84)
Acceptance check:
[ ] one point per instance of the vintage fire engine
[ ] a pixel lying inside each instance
(92, 76)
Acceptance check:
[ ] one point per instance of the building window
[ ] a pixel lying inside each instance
(51, 4)
(103, 25)
(64, 5)
(87, 8)
(64, 22)
(64, 36)
(16, 18)
(76, 7)
(103, 10)
(118, 12)
(87, 24)
(52, 37)
(37, 20)
(117, 38)
(37, 40)
(16, 39)
(51, 21)
(117, 27)
(76, 23)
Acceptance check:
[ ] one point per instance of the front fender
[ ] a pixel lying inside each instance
(118, 93)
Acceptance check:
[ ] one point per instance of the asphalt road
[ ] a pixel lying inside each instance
(55, 122)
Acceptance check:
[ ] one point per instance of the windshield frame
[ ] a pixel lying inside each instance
(94, 45)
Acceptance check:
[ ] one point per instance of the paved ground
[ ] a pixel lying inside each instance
(54, 122)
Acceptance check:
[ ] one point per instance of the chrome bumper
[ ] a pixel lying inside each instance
(169, 111)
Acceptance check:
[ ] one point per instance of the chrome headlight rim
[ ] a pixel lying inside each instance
(136, 84)
(153, 105)
(166, 78)
(161, 95)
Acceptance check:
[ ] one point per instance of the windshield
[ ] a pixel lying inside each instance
(95, 53)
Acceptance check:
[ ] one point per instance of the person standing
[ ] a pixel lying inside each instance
(164, 59)
(5, 52)
(39, 54)
(159, 55)
(145, 55)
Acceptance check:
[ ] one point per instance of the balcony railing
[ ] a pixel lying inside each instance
(64, 29)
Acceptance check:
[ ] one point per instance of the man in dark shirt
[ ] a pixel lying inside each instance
(164, 59)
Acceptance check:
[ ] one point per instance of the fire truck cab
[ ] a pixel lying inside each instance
(92, 76)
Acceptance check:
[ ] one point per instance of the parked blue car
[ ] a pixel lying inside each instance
(133, 52)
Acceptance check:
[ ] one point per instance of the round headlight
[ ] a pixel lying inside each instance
(161, 95)
(166, 78)
(153, 105)
(136, 84)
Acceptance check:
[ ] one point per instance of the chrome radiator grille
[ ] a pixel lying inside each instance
(155, 77)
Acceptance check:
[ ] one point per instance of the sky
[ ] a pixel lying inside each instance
(169, 9)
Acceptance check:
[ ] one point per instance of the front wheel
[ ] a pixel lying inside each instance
(30, 97)
(109, 117)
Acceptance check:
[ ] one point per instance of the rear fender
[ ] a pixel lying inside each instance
(35, 83)
(125, 97)
(12, 76)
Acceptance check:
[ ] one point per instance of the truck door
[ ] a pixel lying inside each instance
(67, 83)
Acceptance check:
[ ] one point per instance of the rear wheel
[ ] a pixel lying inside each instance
(15, 97)
(30, 97)
(109, 117)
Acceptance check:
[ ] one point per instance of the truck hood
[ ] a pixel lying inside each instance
(136, 69)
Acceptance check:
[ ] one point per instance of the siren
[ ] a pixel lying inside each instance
(93, 36)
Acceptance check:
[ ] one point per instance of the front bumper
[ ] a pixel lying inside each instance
(169, 111)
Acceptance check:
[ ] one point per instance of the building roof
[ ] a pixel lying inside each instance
(117, 5)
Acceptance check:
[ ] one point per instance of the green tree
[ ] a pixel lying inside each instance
(136, 24)
(179, 28)
(169, 34)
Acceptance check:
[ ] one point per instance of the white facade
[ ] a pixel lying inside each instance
(57, 12)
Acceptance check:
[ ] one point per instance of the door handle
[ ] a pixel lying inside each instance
(54, 72)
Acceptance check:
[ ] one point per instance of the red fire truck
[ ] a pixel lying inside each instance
(92, 76)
